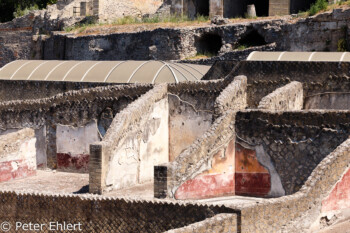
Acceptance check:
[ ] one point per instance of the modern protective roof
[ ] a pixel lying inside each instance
(103, 71)
(300, 56)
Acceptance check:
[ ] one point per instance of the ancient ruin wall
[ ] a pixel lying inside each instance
(197, 158)
(18, 154)
(218, 223)
(331, 93)
(286, 98)
(302, 207)
(24, 90)
(191, 112)
(324, 83)
(296, 142)
(73, 108)
(127, 138)
(102, 214)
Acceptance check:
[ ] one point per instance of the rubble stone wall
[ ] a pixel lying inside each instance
(296, 141)
(73, 108)
(288, 97)
(125, 135)
(198, 158)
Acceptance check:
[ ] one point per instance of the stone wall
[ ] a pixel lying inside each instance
(135, 150)
(73, 146)
(26, 90)
(287, 98)
(102, 214)
(296, 142)
(209, 157)
(18, 154)
(218, 223)
(325, 84)
(279, 7)
(73, 108)
(191, 113)
(109, 10)
(16, 39)
(295, 213)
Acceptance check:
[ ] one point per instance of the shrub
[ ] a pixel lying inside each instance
(21, 12)
(318, 6)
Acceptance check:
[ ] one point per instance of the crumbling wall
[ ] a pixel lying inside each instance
(15, 39)
(25, 90)
(295, 213)
(330, 93)
(73, 146)
(226, 222)
(73, 108)
(296, 142)
(111, 9)
(18, 154)
(205, 169)
(136, 141)
(191, 113)
(286, 98)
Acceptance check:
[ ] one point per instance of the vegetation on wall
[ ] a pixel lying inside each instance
(10, 9)
(318, 6)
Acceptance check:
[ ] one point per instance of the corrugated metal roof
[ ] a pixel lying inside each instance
(103, 71)
(300, 56)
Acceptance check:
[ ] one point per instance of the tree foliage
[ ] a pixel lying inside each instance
(8, 7)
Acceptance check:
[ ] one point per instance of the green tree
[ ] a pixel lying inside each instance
(8, 7)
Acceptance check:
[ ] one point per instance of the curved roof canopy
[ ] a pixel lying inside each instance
(300, 56)
(102, 71)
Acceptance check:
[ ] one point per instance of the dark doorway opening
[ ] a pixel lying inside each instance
(208, 44)
(251, 39)
(297, 6)
(202, 7)
(261, 7)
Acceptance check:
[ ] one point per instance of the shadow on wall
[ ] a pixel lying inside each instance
(208, 44)
(250, 39)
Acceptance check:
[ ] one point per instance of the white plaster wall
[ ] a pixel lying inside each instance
(146, 146)
(76, 140)
(154, 147)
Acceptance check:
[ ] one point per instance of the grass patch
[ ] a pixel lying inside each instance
(201, 56)
(22, 12)
(129, 20)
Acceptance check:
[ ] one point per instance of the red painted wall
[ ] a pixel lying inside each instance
(252, 179)
(15, 169)
(339, 198)
(76, 162)
(215, 182)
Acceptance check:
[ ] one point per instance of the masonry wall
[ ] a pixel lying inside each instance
(73, 146)
(101, 214)
(18, 155)
(112, 9)
(279, 7)
(145, 146)
(73, 108)
(24, 90)
(191, 113)
(296, 142)
(286, 98)
(136, 141)
(16, 39)
(205, 169)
